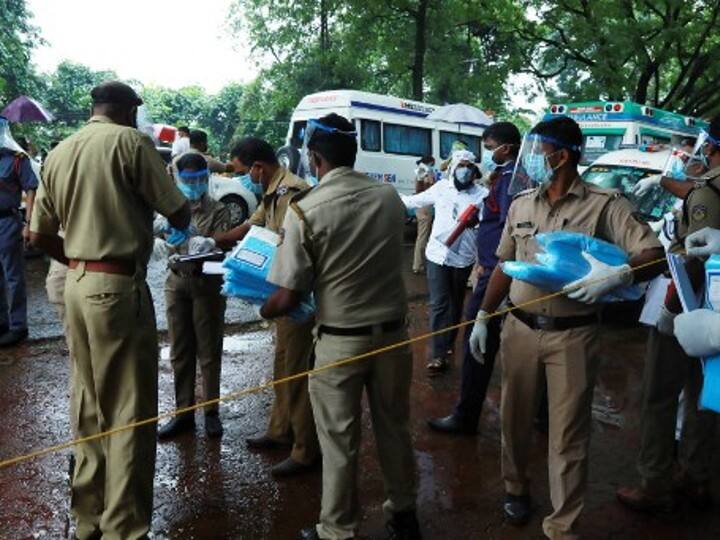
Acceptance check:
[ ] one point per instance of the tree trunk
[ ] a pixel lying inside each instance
(418, 67)
(324, 36)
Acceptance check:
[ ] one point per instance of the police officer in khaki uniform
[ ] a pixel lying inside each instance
(343, 242)
(101, 186)
(291, 418)
(669, 371)
(195, 306)
(554, 341)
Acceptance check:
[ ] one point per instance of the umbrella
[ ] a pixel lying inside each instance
(26, 109)
(460, 113)
(164, 133)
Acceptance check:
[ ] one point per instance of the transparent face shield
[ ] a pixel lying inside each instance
(313, 128)
(6, 138)
(143, 122)
(532, 168)
(192, 184)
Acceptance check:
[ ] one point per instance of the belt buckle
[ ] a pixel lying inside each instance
(544, 323)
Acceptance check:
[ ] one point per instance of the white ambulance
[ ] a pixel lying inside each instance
(393, 133)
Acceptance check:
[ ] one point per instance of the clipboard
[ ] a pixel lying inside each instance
(688, 298)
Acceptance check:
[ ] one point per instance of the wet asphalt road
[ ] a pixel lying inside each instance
(220, 490)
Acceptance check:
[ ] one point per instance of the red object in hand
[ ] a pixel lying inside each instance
(469, 215)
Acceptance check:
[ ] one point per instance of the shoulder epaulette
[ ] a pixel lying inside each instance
(525, 192)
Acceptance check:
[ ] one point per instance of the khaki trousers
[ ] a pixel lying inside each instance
(196, 319)
(567, 362)
(668, 370)
(291, 418)
(113, 346)
(424, 225)
(336, 396)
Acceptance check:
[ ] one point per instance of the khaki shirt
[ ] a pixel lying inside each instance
(598, 212)
(343, 241)
(701, 208)
(101, 186)
(214, 165)
(208, 218)
(271, 212)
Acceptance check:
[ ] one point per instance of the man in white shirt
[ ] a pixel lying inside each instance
(182, 141)
(448, 269)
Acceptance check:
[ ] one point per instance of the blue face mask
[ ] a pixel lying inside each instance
(537, 168)
(251, 186)
(677, 170)
(193, 192)
(487, 162)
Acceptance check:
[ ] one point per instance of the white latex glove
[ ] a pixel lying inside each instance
(160, 225)
(161, 250)
(703, 243)
(601, 279)
(665, 321)
(646, 184)
(478, 337)
(198, 245)
(699, 332)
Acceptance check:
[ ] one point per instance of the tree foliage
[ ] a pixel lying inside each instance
(656, 52)
(17, 40)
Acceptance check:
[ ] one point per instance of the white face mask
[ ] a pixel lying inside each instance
(463, 175)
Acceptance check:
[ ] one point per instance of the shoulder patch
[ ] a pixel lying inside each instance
(699, 212)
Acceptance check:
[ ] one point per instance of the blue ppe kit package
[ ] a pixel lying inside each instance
(247, 267)
(561, 262)
(710, 394)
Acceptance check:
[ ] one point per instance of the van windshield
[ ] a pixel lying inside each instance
(651, 206)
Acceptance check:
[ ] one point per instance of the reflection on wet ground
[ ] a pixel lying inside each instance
(218, 489)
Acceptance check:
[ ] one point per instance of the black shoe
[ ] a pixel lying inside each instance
(404, 526)
(517, 509)
(213, 425)
(266, 443)
(308, 534)
(13, 337)
(290, 467)
(453, 425)
(177, 426)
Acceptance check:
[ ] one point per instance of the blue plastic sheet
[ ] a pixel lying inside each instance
(561, 262)
(710, 394)
(247, 267)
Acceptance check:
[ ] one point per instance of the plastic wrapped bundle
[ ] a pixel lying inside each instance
(247, 267)
(561, 262)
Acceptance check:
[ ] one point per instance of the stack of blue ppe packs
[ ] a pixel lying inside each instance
(561, 262)
(247, 267)
(710, 394)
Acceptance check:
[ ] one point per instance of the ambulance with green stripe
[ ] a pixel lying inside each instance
(612, 125)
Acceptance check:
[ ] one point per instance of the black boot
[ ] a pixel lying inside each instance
(213, 425)
(404, 526)
(453, 425)
(517, 509)
(177, 426)
(13, 337)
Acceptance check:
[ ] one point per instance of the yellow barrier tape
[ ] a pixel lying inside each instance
(256, 389)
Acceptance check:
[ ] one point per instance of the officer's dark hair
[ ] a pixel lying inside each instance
(427, 160)
(502, 133)
(184, 129)
(715, 128)
(251, 149)
(198, 136)
(191, 160)
(338, 149)
(566, 132)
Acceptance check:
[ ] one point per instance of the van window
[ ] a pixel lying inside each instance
(298, 133)
(447, 139)
(406, 140)
(595, 146)
(370, 135)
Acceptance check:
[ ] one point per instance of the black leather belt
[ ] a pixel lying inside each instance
(382, 328)
(553, 324)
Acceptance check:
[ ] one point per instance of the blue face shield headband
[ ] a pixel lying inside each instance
(314, 126)
(193, 184)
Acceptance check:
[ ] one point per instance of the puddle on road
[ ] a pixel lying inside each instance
(250, 342)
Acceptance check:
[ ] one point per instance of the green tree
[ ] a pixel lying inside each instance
(17, 40)
(658, 52)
